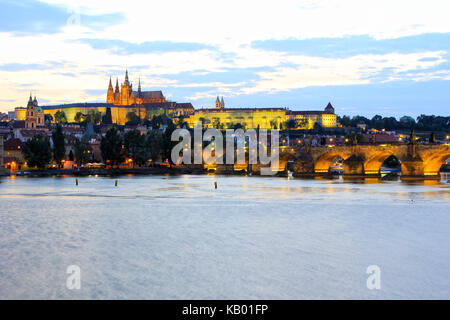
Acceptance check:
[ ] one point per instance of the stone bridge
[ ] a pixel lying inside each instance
(417, 160)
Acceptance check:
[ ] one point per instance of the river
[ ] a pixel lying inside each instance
(177, 237)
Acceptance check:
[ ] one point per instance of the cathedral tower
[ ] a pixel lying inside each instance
(110, 96)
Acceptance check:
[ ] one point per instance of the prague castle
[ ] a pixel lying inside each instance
(122, 100)
(127, 97)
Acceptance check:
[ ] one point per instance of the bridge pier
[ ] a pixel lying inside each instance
(304, 166)
(414, 169)
(354, 167)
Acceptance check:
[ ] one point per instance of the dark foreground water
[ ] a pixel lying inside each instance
(252, 238)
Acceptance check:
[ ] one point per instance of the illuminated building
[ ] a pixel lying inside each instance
(122, 100)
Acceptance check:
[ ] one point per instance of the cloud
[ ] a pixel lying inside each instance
(255, 53)
(361, 69)
(35, 17)
(348, 46)
(127, 48)
(29, 66)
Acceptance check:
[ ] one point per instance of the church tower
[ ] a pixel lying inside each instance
(35, 115)
(139, 99)
(126, 92)
(110, 96)
(217, 103)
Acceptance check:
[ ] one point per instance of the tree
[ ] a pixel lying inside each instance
(291, 124)
(136, 147)
(154, 144)
(181, 123)
(407, 122)
(80, 117)
(167, 143)
(37, 152)
(60, 117)
(48, 118)
(216, 124)
(94, 117)
(59, 148)
(354, 136)
(318, 128)
(345, 121)
(71, 155)
(111, 147)
(82, 151)
(132, 118)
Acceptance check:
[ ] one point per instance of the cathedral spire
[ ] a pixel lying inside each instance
(117, 85)
(110, 82)
(126, 78)
(139, 88)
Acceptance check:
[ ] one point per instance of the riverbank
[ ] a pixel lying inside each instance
(157, 171)
(111, 171)
(4, 172)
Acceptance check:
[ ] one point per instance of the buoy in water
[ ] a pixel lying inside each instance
(76, 181)
(215, 184)
(117, 182)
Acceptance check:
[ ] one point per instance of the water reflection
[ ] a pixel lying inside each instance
(159, 237)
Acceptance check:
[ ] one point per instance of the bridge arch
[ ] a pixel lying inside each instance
(284, 158)
(373, 164)
(324, 162)
(433, 164)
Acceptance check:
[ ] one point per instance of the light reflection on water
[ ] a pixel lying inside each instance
(165, 237)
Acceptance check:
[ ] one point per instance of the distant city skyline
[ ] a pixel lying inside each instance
(366, 58)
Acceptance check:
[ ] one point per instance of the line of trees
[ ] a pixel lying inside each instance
(421, 123)
(38, 152)
(154, 145)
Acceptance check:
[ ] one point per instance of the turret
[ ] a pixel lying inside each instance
(329, 108)
(217, 103)
(139, 88)
(126, 83)
(117, 86)
(30, 101)
(222, 104)
(110, 95)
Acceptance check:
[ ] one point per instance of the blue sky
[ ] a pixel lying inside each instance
(365, 57)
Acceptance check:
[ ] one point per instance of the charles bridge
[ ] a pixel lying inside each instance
(421, 161)
(418, 161)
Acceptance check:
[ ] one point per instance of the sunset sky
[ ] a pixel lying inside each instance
(366, 57)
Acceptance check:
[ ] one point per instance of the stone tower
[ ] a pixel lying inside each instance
(110, 96)
(35, 115)
(219, 103)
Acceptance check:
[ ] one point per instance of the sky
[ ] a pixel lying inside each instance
(365, 57)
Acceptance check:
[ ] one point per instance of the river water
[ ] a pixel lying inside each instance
(177, 237)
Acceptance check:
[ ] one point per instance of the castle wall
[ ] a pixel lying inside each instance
(20, 114)
(249, 118)
(118, 113)
(264, 118)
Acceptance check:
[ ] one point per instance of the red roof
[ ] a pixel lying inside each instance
(12, 144)
(380, 137)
